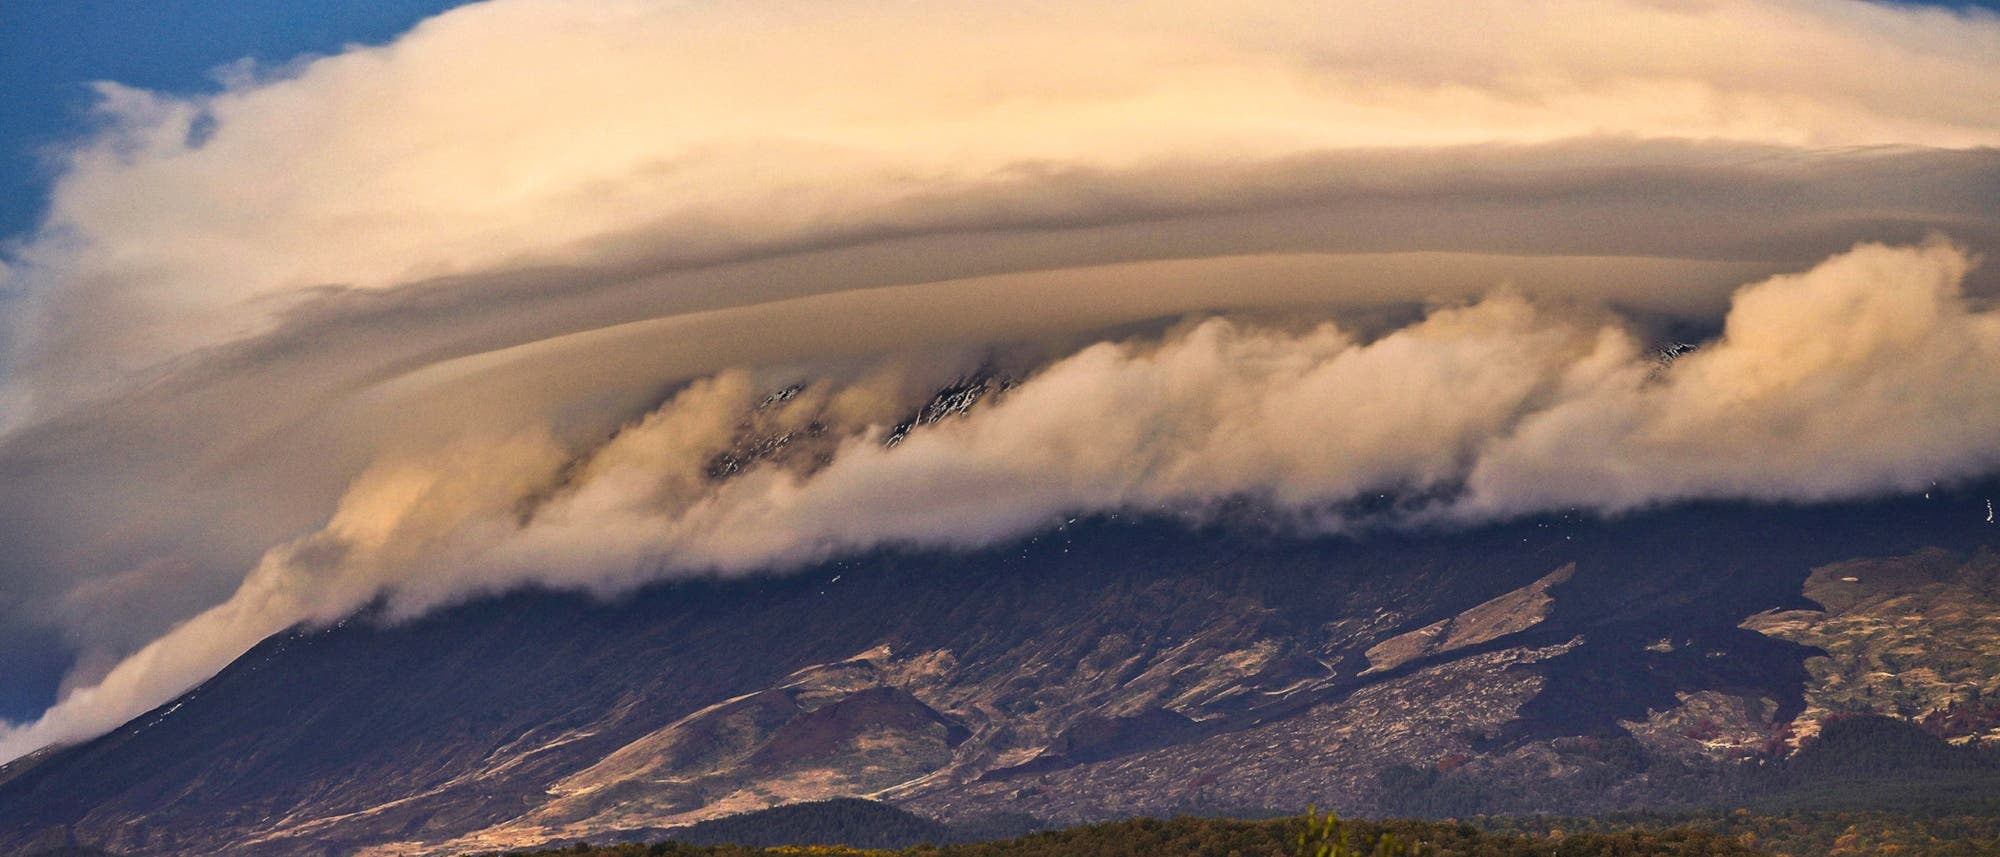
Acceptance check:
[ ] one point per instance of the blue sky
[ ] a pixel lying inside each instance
(49, 54)
(51, 51)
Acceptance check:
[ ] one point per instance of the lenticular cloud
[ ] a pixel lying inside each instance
(1496, 408)
(592, 294)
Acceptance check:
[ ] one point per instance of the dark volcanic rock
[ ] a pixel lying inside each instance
(1154, 667)
(1094, 738)
(825, 730)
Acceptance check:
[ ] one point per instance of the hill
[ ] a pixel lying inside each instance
(1105, 669)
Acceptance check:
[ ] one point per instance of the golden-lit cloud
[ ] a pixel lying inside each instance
(475, 307)
(542, 133)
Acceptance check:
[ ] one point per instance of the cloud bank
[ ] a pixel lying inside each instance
(482, 306)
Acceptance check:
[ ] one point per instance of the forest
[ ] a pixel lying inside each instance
(1189, 836)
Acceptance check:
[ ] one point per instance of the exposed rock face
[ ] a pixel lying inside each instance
(1916, 637)
(1512, 613)
(1717, 725)
(955, 399)
(746, 753)
(785, 429)
(1330, 754)
(1104, 668)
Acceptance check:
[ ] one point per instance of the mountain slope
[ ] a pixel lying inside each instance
(1104, 668)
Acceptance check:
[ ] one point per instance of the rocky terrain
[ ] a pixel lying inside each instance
(1103, 668)
(1915, 637)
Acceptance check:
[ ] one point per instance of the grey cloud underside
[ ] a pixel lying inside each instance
(151, 477)
(1761, 208)
(1721, 202)
(1741, 210)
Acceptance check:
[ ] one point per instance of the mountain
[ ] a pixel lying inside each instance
(1105, 668)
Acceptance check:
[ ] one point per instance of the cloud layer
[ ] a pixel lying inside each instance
(536, 133)
(478, 307)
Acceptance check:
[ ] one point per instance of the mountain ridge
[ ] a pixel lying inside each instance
(495, 723)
